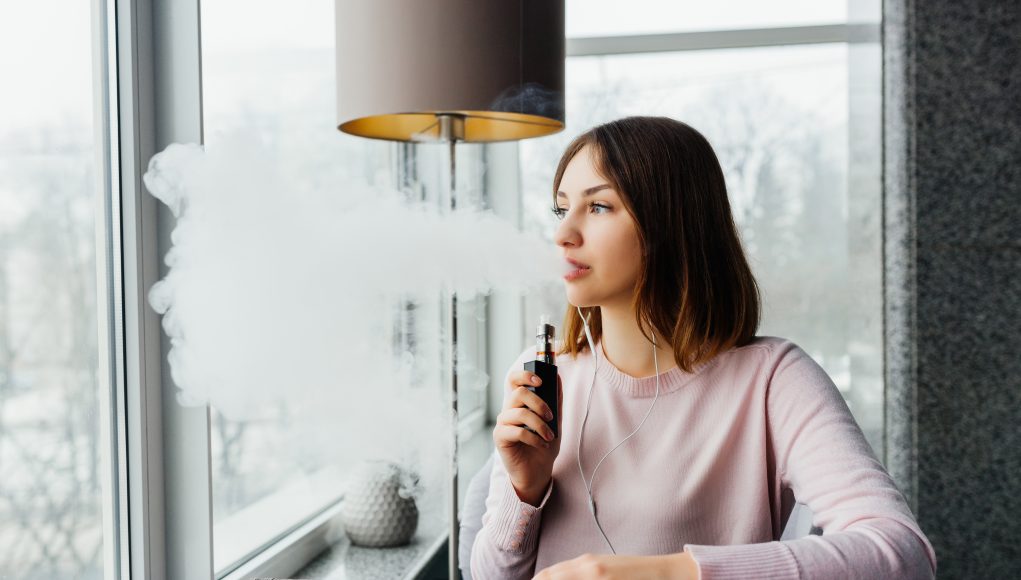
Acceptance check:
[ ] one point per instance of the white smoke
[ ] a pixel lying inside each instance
(280, 290)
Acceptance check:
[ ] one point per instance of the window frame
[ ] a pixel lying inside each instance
(109, 295)
(168, 486)
(849, 33)
(163, 511)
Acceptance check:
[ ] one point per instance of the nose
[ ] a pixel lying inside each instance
(567, 233)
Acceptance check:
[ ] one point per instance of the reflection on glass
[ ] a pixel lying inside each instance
(610, 18)
(778, 120)
(51, 449)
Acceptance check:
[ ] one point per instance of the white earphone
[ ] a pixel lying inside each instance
(581, 432)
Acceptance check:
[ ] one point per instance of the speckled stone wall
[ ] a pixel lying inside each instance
(952, 291)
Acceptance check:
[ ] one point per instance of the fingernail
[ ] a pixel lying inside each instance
(536, 380)
(549, 414)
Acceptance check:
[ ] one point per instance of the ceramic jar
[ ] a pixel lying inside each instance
(378, 510)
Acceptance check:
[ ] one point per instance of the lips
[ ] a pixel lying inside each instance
(576, 264)
(573, 269)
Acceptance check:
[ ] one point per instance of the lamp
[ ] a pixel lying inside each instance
(450, 70)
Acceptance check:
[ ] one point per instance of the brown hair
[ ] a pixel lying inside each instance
(694, 285)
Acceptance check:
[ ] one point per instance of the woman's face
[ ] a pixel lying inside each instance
(596, 231)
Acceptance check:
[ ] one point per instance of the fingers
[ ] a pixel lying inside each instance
(523, 378)
(522, 417)
(520, 396)
(505, 435)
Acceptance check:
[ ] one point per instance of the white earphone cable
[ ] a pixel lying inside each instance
(588, 403)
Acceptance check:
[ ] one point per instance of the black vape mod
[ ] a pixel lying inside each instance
(544, 366)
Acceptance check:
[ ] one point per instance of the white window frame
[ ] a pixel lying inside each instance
(163, 514)
(720, 39)
(168, 473)
(109, 296)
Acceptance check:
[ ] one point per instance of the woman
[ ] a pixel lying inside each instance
(701, 433)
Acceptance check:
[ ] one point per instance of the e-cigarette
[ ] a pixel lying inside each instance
(544, 366)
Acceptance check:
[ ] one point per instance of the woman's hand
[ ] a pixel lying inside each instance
(609, 567)
(527, 456)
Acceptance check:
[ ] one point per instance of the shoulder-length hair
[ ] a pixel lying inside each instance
(694, 286)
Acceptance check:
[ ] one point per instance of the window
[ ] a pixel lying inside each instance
(588, 18)
(803, 181)
(807, 198)
(57, 507)
(273, 80)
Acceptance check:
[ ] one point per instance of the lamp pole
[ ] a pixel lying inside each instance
(451, 130)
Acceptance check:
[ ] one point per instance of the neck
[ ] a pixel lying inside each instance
(627, 349)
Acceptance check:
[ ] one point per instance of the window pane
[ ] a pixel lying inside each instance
(52, 454)
(610, 18)
(778, 120)
(274, 78)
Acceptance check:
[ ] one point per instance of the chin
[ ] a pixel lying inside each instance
(587, 295)
(580, 298)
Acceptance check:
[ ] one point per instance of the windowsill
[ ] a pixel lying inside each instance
(344, 560)
(411, 561)
(258, 526)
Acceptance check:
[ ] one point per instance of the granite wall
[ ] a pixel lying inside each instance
(952, 275)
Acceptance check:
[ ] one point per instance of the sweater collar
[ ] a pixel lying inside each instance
(643, 387)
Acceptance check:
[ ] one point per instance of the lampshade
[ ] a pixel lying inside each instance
(498, 64)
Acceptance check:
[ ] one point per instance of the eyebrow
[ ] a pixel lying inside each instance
(588, 191)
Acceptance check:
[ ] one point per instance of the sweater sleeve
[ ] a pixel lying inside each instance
(824, 459)
(506, 545)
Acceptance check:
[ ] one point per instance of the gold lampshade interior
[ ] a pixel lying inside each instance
(479, 126)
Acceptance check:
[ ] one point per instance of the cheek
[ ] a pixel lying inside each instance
(624, 250)
(626, 244)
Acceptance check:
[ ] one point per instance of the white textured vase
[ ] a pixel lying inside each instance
(378, 510)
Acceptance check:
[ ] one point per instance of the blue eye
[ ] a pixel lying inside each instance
(593, 207)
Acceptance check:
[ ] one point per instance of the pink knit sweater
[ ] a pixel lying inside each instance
(713, 472)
